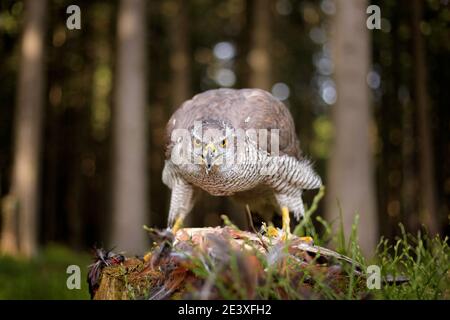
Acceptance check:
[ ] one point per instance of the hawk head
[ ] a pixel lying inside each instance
(211, 143)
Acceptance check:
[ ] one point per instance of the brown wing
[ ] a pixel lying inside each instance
(245, 108)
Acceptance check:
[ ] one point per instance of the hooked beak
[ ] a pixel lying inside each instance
(209, 155)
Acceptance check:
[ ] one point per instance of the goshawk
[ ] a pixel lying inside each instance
(237, 143)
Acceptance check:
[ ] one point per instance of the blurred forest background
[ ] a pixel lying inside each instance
(82, 112)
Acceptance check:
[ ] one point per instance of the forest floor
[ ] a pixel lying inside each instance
(43, 277)
(425, 262)
(228, 263)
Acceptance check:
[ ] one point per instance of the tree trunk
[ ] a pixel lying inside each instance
(425, 139)
(409, 189)
(130, 130)
(180, 62)
(350, 172)
(259, 56)
(9, 240)
(28, 127)
(244, 45)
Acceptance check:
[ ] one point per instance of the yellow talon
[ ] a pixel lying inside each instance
(177, 225)
(286, 222)
(147, 256)
(308, 240)
(272, 232)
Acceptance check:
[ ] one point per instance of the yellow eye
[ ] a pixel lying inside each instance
(224, 143)
(197, 142)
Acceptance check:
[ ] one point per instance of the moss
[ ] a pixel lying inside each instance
(43, 277)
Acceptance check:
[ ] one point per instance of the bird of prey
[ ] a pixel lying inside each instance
(218, 142)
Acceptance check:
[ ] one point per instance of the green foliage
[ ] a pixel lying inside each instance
(423, 261)
(306, 226)
(323, 134)
(44, 277)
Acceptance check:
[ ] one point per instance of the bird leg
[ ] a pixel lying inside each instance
(177, 225)
(181, 202)
(286, 223)
(287, 228)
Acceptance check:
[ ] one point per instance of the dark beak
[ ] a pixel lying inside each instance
(208, 156)
(208, 161)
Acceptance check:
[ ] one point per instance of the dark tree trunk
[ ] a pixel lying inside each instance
(28, 128)
(180, 62)
(130, 130)
(425, 137)
(259, 56)
(351, 185)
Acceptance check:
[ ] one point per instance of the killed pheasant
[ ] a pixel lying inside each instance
(225, 262)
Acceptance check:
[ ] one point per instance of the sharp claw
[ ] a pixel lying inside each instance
(308, 240)
(177, 225)
(287, 229)
(147, 256)
(272, 232)
(286, 222)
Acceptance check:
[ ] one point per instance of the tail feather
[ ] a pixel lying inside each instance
(309, 179)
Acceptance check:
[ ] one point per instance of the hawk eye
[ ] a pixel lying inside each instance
(224, 143)
(197, 142)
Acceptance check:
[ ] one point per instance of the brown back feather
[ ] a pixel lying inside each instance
(258, 107)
